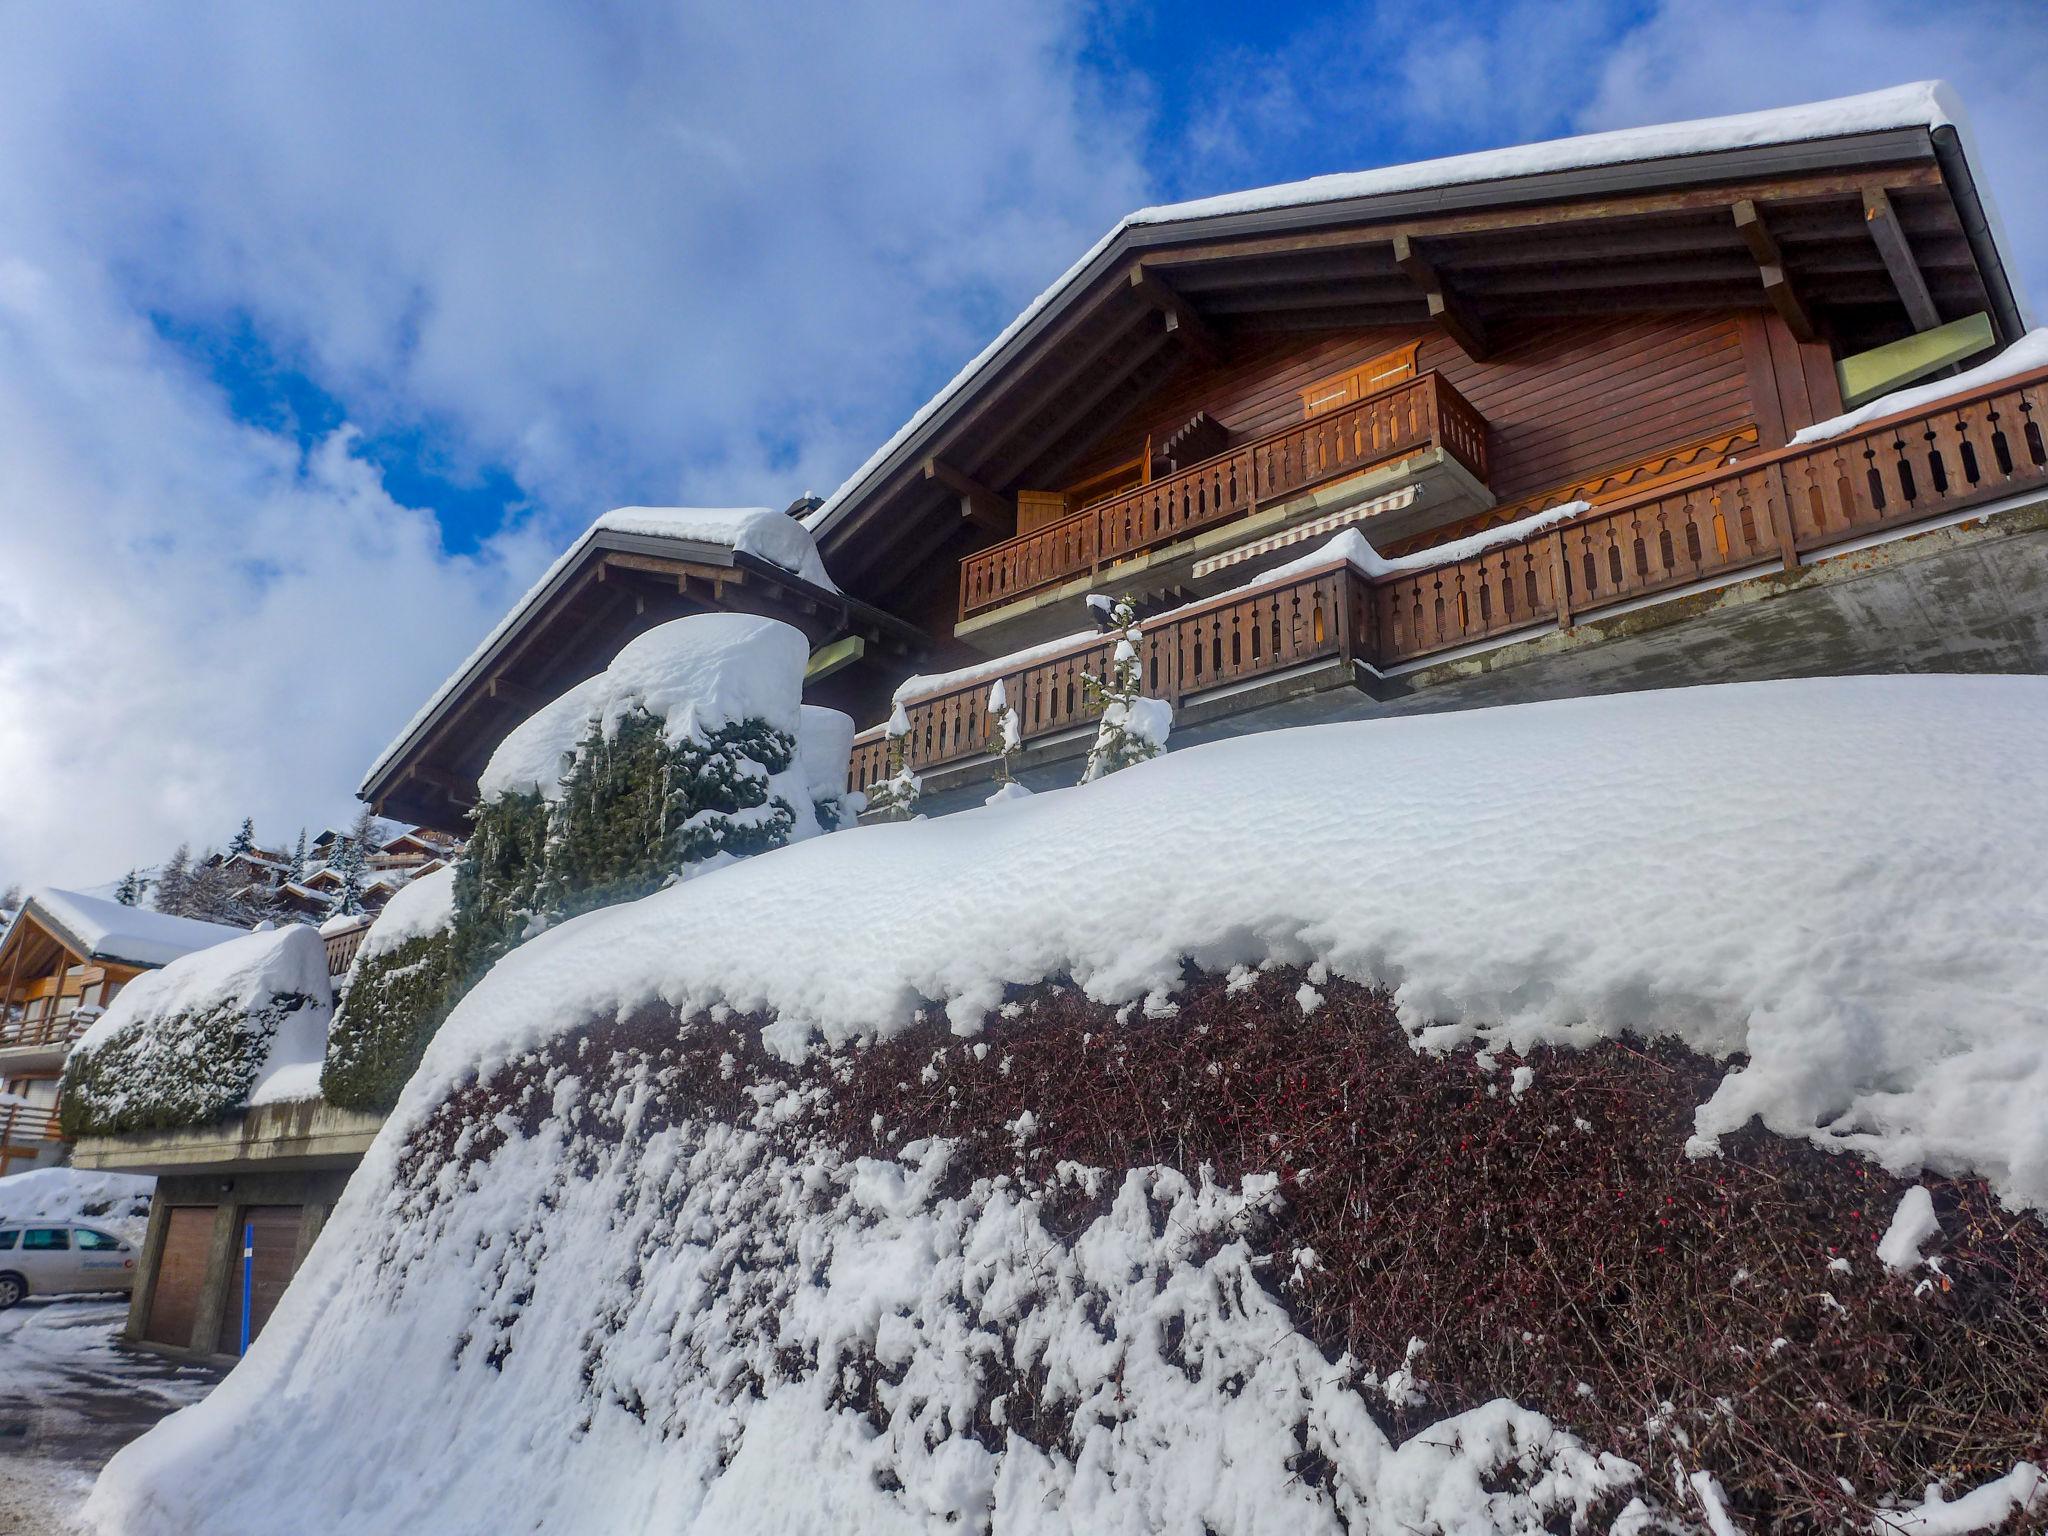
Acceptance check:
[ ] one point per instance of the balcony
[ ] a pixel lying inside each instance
(28, 1127)
(1776, 511)
(1418, 425)
(52, 1032)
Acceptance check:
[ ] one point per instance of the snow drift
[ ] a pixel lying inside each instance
(1835, 879)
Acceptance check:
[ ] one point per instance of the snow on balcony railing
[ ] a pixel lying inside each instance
(1915, 466)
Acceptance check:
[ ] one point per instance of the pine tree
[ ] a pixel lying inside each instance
(895, 798)
(298, 870)
(10, 900)
(174, 880)
(352, 863)
(244, 840)
(129, 891)
(1133, 728)
(1006, 740)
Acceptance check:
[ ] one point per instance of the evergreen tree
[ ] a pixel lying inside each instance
(1006, 740)
(352, 863)
(129, 891)
(297, 872)
(895, 798)
(1133, 728)
(10, 900)
(244, 840)
(173, 881)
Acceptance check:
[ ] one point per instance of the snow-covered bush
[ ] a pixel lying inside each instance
(396, 996)
(191, 1043)
(1017, 1205)
(119, 1201)
(895, 798)
(1133, 728)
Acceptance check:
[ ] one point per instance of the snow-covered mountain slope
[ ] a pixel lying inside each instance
(550, 1301)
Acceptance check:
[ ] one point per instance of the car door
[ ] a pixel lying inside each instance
(105, 1263)
(46, 1260)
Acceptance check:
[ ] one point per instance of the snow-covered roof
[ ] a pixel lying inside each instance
(759, 532)
(1924, 104)
(106, 930)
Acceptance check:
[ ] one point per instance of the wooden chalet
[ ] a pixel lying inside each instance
(63, 957)
(1639, 322)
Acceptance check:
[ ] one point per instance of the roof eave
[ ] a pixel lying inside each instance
(1763, 161)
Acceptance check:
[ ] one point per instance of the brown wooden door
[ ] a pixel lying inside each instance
(276, 1232)
(180, 1275)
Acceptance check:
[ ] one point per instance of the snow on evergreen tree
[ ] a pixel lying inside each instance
(244, 840)
(1133, 728)
(1006, 740)
(895, 798)
(129, 891)
(173, 882)
(10, 902)
(352, 863)
(297, 872)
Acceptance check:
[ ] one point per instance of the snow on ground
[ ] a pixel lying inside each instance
(70, 1396)
(1838, 877)
(116, 1201)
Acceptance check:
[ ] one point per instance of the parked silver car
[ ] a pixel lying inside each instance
(61, 1258)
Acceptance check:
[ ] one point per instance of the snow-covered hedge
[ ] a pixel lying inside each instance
(394, 999)
(205, 1035)
(118, 1201)
(653, 1256)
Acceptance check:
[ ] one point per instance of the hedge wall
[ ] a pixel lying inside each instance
(395, 1002)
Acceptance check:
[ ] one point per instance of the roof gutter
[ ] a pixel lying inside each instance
(1955, 171)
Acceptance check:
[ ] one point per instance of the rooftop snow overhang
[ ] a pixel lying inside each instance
(612, 586)
(1581, 226)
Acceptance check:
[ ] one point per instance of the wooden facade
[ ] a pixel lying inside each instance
(50, 993)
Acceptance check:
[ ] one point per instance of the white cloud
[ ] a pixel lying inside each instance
(633, 252)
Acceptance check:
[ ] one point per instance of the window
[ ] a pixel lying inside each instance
(1356, 383)
(95, 1242)
(7, 1240)
(46, 1238)
(90, 997)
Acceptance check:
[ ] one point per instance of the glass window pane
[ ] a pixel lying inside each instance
(7, 1240)
(46, 1237)
(91, 1240)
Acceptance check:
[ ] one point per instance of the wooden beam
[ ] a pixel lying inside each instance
(1884, 369)
(1892, 245)
(840, 654)
(1458, 323)
(1770, 266)
(1081, 406)
(1182, 322)
(978, 504)
(516, 694)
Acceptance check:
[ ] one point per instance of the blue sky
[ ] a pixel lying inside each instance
(323, 328)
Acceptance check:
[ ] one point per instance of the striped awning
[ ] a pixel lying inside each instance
(1302, 533)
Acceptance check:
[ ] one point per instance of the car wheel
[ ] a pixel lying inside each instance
(12, 1289)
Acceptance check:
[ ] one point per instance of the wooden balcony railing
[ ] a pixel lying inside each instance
(1911, 467)
(1416, 413)
(342, 947)
(46, 1031)
(23, 1125)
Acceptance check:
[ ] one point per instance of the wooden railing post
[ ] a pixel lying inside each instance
(1781, 518)
(1560, 579)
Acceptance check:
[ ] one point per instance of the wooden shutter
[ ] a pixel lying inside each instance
(180, 1276)
(1341, 389)
(1037, 508)
(277, 1256)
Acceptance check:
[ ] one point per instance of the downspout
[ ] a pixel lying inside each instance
(1955, 171)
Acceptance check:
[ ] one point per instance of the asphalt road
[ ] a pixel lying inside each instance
(71, 1396)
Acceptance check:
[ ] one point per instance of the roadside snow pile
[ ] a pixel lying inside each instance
(242, 1023)
(116, 1200)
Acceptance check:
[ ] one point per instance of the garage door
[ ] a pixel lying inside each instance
(276, 1232)
(180, 1275)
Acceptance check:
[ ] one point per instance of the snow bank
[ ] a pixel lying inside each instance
(134, 934)
(1986, 1508)
(1797, 870)
(421, 907)
(696, 674)
(824, 750)
(119, 1201)
(758, 531)
(2023, 356)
